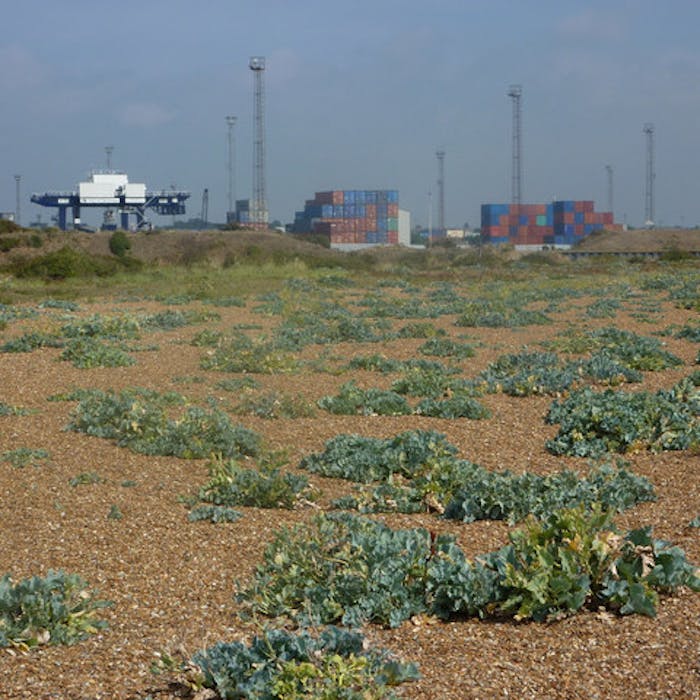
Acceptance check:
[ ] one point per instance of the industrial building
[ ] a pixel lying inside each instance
(354, 219)
(110, 190)
(561, 223)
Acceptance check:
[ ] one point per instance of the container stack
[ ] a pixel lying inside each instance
(367, 217)
(559, 223)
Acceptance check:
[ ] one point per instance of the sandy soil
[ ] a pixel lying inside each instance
(172, 582)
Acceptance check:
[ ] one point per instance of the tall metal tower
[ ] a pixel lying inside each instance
(258, 204)
(515, 92)
(109, 150)
(650, 177)
(609, 171)
(18, 217)
(441, 190)
(230, 215)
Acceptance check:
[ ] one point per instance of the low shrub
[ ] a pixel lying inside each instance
(331, 664)
(55, 609)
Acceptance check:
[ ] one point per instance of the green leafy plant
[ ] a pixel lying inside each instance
(137, 420)
(273, 404)
(33, 340)
(352, 400)
(87, 353)
(119, 244)
(55, 609)
(592, 423)
(214, 514)
(85, 478)
(445, 347)
(24, 456)
(230, 484)
(330, 664)
(353, 570)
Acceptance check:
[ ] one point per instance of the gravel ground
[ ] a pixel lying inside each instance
(172, 582)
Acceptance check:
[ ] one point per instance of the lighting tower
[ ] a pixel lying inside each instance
(230, 216)
(609, 171)
(109, 150)
(108, 217)
(651, 176)
(441, 190)
(258, 205)
(515, 93)
(17, 203)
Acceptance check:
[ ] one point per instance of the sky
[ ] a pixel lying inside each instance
(359, 94)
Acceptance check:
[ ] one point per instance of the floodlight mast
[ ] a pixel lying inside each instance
(441, 190)
(649, 212)
(258, 205)
(231, 123)
(515, 92)
(610, 173)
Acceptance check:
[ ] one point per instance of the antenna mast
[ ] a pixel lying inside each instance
(609, 171)
(441, 190)
(258, 205)
(231, 122)
(515, 93)
(650, 177)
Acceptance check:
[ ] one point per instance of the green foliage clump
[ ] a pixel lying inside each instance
(62, 304)
(241, 354)
(273, 404)
(137, 419)
(119, 244)
(493, 314)
(214, 514)
(528, 374)
(335, 664)
(375, 363)
(457, 405)
(7, 410)
(207, 338)
(420, 329)
(169, 320)
(22, 457)
(689, 332)
(634, 351)
(67, 263)
(230, 484)
(87, 353)
(352, 400)
(123, 327)
(344, 568)
(238, 384)
(365, 459)
(507, 496)
(56, 609)
(444, 347)
(592, 423)
(85, 478)
(603, 308)
(27, 342)
(418, 471)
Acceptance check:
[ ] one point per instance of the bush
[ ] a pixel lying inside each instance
(57, 609)
(232, 485)
(335, 664)
(592, 423)
(136, 419)
(119, 244)
(65, 263)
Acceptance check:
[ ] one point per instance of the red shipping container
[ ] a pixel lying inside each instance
(588, 205)
(392, 210)
(607, 218)
(324, 198)
(578, 206)
(338, 197)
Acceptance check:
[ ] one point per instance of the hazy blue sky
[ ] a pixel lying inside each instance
(359, 94)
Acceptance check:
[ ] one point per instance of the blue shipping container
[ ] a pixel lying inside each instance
(392, 196)
(349, 196)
